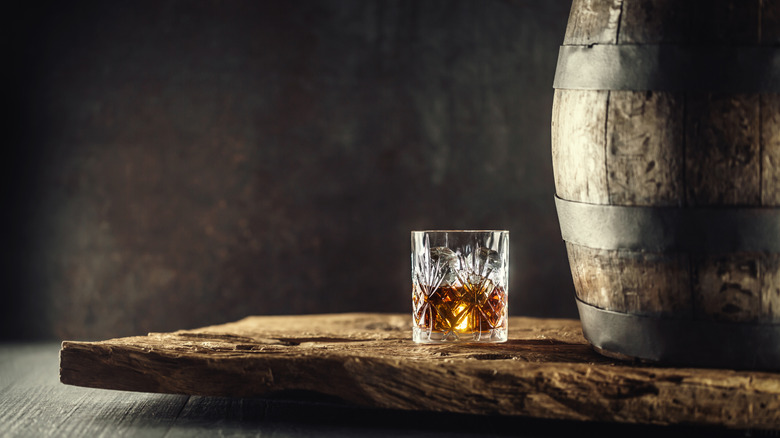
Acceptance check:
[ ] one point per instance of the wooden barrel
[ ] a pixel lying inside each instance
(666, 153)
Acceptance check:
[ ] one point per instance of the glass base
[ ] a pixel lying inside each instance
(423, 336)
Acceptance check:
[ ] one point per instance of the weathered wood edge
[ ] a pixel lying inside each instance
(497, 384)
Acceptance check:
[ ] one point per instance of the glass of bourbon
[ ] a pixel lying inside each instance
(460, 285)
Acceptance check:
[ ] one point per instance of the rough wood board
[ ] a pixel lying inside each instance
(33, 403)
(546, 370)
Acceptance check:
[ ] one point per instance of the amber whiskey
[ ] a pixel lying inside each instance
(477, 309)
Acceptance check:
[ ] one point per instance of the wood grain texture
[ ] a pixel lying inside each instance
(724, 167)
(593, 22)
(644, 148)
(655, 22)
(770, 149)
(36, 404)
(632, 282)
(578, 136)
(687, 149)
(742, 287)
(728, 288)
(546, 370)
(722, 153)
(770, 289)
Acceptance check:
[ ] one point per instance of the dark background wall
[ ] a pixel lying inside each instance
(180, 163)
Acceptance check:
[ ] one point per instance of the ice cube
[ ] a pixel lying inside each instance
(487, 261)
(444, 264)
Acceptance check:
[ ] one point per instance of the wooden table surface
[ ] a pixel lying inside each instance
(545, 370)
(34, 403)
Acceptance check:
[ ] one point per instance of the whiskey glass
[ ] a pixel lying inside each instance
(460, 285)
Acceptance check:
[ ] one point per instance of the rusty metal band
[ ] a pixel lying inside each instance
(683, 342)
(660, 229)
(737, 69)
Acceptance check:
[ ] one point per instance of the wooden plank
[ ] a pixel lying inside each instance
(14, 362)
(578, 136)
(546, 370)
(593, 22)
(225, 416)
(40, 406)
(222, 416)
(645, 148)
(301, 417)
(632, 282)
(770, 149)
(722, 154)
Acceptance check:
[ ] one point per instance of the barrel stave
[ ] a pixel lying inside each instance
(593, 22)
(635, 282)
(770, 149)
(690, 22)
(578, 145)
(644, 150)
(722, 149)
